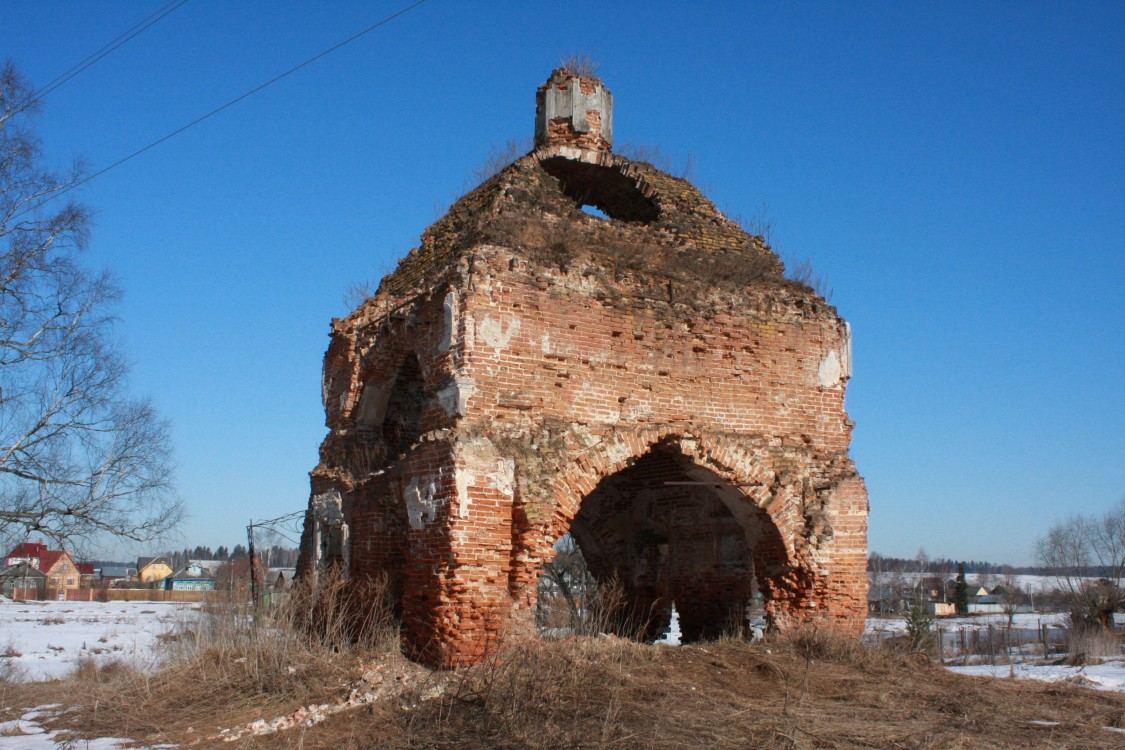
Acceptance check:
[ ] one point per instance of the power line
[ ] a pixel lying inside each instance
(231, 103)
(138, 28)
(297, 514)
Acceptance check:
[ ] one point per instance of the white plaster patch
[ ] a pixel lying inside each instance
(372, 407)
(830, 370)
(454, 397)
(495, 333)
(583, 433)
(330, 532)
(478, 463)
(328, 506)
(450, 331)
(504, 480)
(617, 452)
(463, 479)
(421, 501)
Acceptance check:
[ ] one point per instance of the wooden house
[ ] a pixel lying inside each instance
(152, 569)
(21, 576)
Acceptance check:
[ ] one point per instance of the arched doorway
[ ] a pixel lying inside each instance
(669, 530)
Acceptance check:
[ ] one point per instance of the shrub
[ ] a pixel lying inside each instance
(920, 628)
(1090, 644)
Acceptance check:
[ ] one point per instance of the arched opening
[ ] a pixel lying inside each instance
(389, 415)
(403, 424)
(668, 532)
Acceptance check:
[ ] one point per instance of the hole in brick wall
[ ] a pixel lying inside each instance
(602, 191)
(669, 531)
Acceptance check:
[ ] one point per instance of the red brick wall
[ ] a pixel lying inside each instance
(538, 386)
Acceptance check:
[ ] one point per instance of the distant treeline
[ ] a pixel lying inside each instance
(274, 557)
(877, 563)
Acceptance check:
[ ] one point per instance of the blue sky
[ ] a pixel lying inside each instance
(956, 171)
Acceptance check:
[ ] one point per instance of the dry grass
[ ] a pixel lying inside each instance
(232, 665)
(1091, 645)
(580, 64)
(498, 159)
(568, 247)
(804, 273)
(11, 672)
(657, 157)
(809, 689)
(601, 607)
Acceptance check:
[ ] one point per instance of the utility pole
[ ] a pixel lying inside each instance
(253, 565)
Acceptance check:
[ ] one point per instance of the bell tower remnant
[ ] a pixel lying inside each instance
(648, 381)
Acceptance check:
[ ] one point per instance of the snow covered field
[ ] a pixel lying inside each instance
(1026, 621)
(1031, 584)
(1107, 676)
(44, 640)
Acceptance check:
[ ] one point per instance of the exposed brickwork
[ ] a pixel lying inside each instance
(569, 110)
(650, 383)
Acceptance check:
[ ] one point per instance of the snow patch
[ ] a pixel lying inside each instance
(46, 639)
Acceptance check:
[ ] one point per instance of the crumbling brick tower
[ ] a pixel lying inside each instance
(645, 379)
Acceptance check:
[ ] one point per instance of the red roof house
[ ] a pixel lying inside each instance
(58, 565)
(28, 552)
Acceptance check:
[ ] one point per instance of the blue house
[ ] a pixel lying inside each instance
(191, 577)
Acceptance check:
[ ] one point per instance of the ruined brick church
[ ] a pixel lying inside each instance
(643, 377)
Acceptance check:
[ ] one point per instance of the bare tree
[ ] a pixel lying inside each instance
(922, 560)
(565, 581)
(1012, 597)
(943, 569)
(1087, 557)
(78, 458)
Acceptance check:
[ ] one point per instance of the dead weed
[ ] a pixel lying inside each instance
(808, 689)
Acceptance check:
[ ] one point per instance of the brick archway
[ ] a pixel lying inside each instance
(692, 477)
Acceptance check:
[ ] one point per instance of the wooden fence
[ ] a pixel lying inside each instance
(117, 595)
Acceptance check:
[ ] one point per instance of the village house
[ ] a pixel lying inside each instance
(279, 579)
(152, 569)
(57, 565)
(115, 576)
(21, 576)
(208, 567)
(88, 575)
(192, 577)
(28, 552)
(61, 570)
